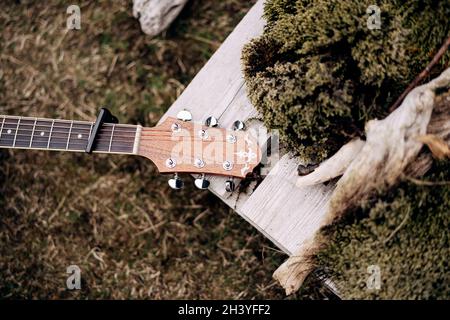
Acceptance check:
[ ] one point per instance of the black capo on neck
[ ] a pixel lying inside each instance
(104, 116)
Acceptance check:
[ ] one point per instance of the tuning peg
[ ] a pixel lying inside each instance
(176, 183)
(202, 183)
(184, 115)
(211, 122)
(230, 185)
(238, 126)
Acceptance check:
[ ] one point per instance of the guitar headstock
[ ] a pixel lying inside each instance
(180, 146)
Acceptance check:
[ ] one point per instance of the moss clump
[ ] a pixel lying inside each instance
(318, 73)
(405, 234)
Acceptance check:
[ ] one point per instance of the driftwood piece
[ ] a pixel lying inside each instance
(155, 16)
(390, 152)
(334, 166)
(392, 144)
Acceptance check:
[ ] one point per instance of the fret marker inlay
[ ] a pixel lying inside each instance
(9, 131)
(42, 133)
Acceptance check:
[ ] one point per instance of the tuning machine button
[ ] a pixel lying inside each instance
(176, 183)
(230, 186)
(184, 115)
(231, 138)
(211, 122)
(227, 165)
(203, 134)
(176, 127)
(171, 163)
(202, 183)
(199, 163)
(238, 126)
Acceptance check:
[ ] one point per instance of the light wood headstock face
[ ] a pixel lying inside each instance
(176, 146)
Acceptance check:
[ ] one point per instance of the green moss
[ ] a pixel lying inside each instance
(318, 73)
(405, 233)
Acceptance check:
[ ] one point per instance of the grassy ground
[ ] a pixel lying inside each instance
(114, 216)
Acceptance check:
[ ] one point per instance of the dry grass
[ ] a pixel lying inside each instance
(114, 216)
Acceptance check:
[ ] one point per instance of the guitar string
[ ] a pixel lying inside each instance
(132, 134)
(106, 140)
(61, 121)
(73, 132)
(21, 127)
(123, 151)
(56, 140)
(61, 146)
(81, 126)
(87, 126)
(68, 122)
(146, 132)
(153, 133)
(102, 131)
(65, 135)
(81, 147)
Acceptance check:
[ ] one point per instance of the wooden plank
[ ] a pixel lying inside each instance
(285, 214)
(289, 215)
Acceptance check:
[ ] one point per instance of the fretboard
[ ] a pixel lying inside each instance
(65, 135)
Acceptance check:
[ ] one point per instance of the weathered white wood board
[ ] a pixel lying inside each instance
(284, 213)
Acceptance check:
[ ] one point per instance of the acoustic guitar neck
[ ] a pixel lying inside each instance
(67, 135)
(175, 146)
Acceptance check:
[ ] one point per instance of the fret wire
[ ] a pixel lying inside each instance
(90, 131)
(68, 137)
(1, 130)
(32, 133)
(110, 141)
(50, 135)
(15, 134)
